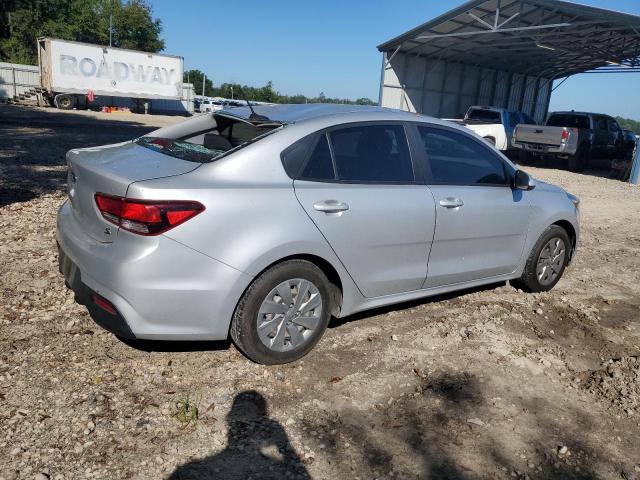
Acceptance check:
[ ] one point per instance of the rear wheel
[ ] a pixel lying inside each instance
(65, 102)
(547, 261)
(283, 313)
(525, 158)
(579, 161)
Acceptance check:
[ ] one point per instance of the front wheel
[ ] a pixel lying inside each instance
(283, 313)
(547, 261)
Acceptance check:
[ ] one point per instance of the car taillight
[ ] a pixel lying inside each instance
(146, 217)
(565, 136)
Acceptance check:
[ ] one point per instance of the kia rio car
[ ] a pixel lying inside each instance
(260, 225)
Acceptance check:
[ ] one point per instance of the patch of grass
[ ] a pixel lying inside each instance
(186, 411)
(520, 351)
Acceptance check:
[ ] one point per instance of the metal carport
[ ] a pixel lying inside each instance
(504, 53)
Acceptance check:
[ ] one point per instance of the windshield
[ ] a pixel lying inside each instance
(179, 149)
(483, 116)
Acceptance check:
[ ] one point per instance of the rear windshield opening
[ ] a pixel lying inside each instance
(228, 135)
(483, 116)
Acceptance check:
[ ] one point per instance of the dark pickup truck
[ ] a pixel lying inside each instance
(571, 137)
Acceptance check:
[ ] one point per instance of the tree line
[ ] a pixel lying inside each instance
(23, 21)
(628, 124)
(266, 93)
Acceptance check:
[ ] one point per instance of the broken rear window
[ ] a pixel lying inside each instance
(179, 149)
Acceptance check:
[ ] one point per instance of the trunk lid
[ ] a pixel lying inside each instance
(551, 136)
(111, 169)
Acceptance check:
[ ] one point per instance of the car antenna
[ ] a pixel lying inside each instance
(254, 116)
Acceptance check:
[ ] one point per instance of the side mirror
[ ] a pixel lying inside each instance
(523, 181)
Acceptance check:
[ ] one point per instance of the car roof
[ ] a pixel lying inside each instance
(581, 113)
(296, 113)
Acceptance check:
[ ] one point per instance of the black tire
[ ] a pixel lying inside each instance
(579, 161)
(529, 281)
(65, 102)
(244, 325)
(525, 158)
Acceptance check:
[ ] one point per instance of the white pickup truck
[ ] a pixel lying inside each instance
(495, 125)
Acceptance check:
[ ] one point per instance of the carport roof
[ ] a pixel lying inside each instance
(546, 38)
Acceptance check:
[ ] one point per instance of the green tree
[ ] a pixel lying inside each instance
(195, 77)
(23, 21)
(628, 124)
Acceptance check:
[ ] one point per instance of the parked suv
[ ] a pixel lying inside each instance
(263, 224)
(571, 137)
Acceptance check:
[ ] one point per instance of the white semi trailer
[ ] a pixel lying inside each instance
(72, 72)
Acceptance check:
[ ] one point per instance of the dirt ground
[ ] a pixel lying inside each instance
(491, 383)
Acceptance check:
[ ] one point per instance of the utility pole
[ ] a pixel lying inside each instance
(110, 27)
(204, 81)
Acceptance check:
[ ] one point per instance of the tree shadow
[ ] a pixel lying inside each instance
(33, 145)
(257, 447)
(437, 433)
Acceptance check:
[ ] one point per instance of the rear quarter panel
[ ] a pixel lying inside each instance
(252, 218)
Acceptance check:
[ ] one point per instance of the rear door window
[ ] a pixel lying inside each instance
(319, 165)
(569, 121)
(457, 159)
(372, 154)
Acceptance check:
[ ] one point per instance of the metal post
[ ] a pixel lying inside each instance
(110, 27)
(15, 90)
(204, 81)
(634, 176)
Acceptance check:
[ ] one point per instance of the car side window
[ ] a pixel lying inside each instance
(372, 154)
(613, 126)
(319, 165)
(601, 123)
(457, 159)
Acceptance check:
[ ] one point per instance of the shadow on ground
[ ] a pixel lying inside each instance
(33, 144)
(257, 447)
(432, 428)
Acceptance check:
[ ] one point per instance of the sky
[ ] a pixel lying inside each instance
(329, 46)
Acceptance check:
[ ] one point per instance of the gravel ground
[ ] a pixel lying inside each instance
(490, 383)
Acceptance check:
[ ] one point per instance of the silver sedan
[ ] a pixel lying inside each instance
(261, 224)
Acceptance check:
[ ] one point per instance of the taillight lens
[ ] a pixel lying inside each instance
(565, 136)
(146, 217)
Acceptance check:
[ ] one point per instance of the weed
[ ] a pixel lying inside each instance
(186, 411)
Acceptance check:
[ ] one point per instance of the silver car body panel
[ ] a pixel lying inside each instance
(185, 283)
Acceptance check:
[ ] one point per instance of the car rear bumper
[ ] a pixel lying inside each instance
(561, 150)
(159, 288)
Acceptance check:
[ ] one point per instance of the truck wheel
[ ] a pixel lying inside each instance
(525, 158)
(579, 161)
(65, 102)
(547, 261)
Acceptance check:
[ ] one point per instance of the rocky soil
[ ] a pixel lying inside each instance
(489, 383)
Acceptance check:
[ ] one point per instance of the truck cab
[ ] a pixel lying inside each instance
(495, 125)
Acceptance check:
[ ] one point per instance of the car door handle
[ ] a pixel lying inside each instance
(451, 202)
(331, 206)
